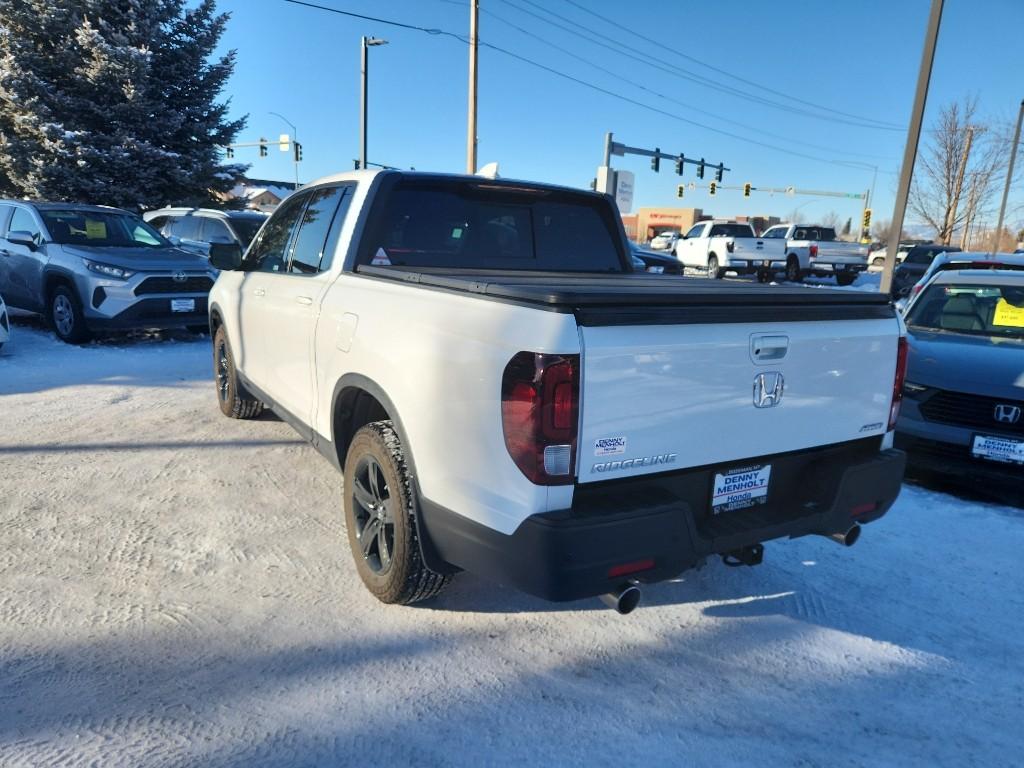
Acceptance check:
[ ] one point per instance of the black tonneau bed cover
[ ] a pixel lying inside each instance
(640, 298)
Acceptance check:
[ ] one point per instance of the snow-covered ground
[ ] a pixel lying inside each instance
(176, 589)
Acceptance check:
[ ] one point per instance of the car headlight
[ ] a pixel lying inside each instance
(108, 270)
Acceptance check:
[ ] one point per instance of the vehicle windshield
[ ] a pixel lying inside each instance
(100, 229)
(977, 310)
(491, 226)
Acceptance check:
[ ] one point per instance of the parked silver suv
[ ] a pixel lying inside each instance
(89, 268)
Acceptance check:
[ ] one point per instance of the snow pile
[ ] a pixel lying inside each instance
(178, 591)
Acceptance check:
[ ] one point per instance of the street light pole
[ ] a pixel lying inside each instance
(295, 141)
(924, 76)
(364, 66)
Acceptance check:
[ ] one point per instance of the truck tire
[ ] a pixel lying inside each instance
(846, 278)
(713, 270)
(380, 517)
(234, 401)
(66, 315)
(793, 272)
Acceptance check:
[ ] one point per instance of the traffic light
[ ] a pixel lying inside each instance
(746, 189)
(229, 153)
(679, 165)
(714, 188)
(263, 147)
(866, 223)
(298, 152)
(700, 169)
(680, 189)
(656, 160)
(718, 174)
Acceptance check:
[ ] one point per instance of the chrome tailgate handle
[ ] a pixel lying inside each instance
(768, 348)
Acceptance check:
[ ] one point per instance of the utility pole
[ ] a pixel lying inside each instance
(972, 209)
(924, 76)
(1009, 176)
(474, 15)
(958, 189)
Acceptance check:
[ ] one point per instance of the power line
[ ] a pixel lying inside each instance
(720, 71)
(683, 74)
(571, 78)
(660, 95)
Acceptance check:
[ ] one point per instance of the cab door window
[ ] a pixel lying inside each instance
(318, 226)
(215, 231)
(270, 252)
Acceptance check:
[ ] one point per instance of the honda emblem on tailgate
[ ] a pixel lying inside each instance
(1007, 414)
(768, 389)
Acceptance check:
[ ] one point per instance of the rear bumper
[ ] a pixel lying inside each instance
(744, 266)
(665, 518)
(952, 461)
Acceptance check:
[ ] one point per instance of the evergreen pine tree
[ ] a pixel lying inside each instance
(114, 102)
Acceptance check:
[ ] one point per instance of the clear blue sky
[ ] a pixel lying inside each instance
(858, 57)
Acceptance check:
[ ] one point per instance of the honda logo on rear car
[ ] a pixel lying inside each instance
(179, 277)
(1007, 414)
(768, 388)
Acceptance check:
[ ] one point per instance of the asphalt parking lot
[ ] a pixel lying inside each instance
(178, 590)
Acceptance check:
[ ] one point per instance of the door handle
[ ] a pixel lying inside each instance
(306, 300)
(259, 292)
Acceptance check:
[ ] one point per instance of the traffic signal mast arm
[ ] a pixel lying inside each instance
(656, 155)
(795, 191)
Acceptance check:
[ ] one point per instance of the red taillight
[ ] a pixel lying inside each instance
(627, 568)
(915, 290)
(813, 250)
(540, 397)
(863, 509)
(897, 385)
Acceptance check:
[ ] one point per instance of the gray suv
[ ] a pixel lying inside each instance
(89, 268)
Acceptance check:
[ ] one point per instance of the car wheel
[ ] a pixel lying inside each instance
(846, 278)
(66, 315)
(234, 401)
(878, 261)
(380, 512)
(713, 270)
(793, 273)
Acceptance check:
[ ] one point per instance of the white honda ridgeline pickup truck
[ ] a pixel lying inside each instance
(506, 396)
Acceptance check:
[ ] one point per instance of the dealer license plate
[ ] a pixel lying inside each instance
(740, 488)
(1002, 449)
(183, 305)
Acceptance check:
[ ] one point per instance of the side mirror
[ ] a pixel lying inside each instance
(22, 238)
(174, 240)
(225, 256)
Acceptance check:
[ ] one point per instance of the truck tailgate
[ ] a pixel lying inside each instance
(661, 397)
(842, 253)
(755, 248)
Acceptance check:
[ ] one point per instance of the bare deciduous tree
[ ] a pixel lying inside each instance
(946, 193)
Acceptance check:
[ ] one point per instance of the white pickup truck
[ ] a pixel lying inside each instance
(506, 396)
(814, 250)
(727, 246)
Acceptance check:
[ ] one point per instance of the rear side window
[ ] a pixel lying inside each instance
(185, 228)
(308, 250)
(215, 231)
(491, 226)
(921, 256)
(731, 230)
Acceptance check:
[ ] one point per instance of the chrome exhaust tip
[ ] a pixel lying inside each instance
(624, 599)
(847, 539)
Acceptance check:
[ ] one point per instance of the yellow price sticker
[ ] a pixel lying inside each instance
(1008, 315)
(95, 230)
